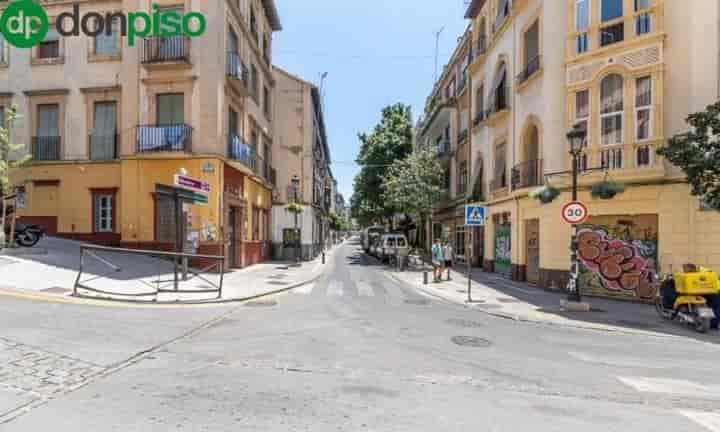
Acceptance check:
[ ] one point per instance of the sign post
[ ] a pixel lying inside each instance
(475, 216)
(574, 213)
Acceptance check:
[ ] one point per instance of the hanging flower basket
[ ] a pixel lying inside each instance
(294, 208)
(545, 194)
(607, 189)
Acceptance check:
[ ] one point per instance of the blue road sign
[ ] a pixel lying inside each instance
(474, 215)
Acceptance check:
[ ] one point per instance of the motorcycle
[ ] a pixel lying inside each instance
(683, 297)
(26, 235)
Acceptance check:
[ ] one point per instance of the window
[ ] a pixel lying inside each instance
(611, 109)
(500, 166)
(253, 23)
(266, 48)
(643, 22)
(102, 142)
(582, 43)
(612, 34)
(50, 47)
(170, 109)
(532, 49)
(582, 118)
(254, 84)
(462, 179)
(103, 213)
(232, 122)
(612, 158)
(643, 108)
(643, 156)
(108, 41)
(502, 13)
(582, 15)
(267, 106)
(48, 120)
(3, 57)
(2, 116)
(479, 104)
(233, 42)
(610, 9)
(255, 224)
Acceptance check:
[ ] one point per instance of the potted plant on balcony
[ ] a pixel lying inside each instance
(294, 208)
(545, 194)
(607, 189)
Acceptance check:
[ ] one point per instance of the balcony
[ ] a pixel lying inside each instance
(46, 148)
(462, 136)
(163, 50)
(240, 151)
(443, 148)
(164, 138)
(498, 101)
(481, 46)
(104, 147)
(238, 73)
(527, 174)
(531, 68)
(612, 34)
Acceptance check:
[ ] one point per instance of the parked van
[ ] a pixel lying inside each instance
(390, 244)
(370, 235)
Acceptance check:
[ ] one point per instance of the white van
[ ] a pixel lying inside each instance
(391, 244)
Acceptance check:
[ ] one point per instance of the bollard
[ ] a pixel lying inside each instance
(323, 258)
(449, 279)
(425, 278)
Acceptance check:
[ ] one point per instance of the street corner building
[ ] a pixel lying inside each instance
(527, 71)
(165, 145)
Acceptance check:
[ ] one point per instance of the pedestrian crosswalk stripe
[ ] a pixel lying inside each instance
(305, 289)
(365, 290)
(676, 387)
(709, 420)
(335, 289)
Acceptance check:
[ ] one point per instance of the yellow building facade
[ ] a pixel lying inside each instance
(110, 127)
(629, 72)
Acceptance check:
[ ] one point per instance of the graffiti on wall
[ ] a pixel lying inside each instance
(620, 257)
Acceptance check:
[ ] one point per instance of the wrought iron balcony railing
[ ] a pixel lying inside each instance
(242, 152)
(164, 138)
(46, 148)
(104, 146)
(165, 49)
(527, 174)
(530, 69)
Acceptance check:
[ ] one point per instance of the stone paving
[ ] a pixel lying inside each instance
(28, 370)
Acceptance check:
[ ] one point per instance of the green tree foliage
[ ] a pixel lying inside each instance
(8, 149)
(390, 141)
(337, 223)
(414, 184)
(697, 152)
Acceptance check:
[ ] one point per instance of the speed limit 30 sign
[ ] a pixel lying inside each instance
(575, 213)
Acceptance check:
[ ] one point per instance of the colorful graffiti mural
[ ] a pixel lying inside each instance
(620, 257)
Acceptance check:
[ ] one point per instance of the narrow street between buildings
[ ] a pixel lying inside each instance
(355, 350)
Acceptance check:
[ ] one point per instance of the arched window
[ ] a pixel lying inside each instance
(498, 98)
(611, 109)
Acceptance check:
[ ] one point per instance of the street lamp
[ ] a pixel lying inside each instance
(296, 186)
(577, 138)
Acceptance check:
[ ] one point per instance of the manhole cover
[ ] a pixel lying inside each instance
(266, 303)
(471, 341)
(508, 300)
(463, 323)
(421, 302)
(278, 283)
(637, 324)
(56, 290)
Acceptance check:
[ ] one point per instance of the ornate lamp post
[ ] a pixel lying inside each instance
(577, 138)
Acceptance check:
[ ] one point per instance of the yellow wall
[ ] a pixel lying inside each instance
(257, 196)
(71, 201)
(139, 178)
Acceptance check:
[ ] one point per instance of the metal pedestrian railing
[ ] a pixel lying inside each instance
(165, 273)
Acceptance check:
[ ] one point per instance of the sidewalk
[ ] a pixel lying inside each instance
(504, 298)
(54, 273)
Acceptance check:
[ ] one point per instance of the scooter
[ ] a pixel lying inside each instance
(26, 235)
(682, 297)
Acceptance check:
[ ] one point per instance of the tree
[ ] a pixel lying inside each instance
(414, 185)
(7, 149)
(390, 141)
(337, 223)
(697, 152)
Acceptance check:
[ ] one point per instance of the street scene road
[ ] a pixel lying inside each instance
(355, 350)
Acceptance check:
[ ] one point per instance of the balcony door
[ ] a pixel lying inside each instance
(47, 145)
(104, 132)
(171, 109)
(172, 47)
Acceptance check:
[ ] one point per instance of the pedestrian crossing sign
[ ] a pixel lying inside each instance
(474, 215)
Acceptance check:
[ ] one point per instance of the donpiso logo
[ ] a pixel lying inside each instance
(25, 23)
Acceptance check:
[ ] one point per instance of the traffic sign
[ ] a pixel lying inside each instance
(475, 215)
(189, 183)
(575, 213)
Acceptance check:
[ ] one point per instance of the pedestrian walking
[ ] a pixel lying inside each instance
(437, 260)
(448, 258)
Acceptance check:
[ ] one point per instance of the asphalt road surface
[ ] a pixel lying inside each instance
(354, 351)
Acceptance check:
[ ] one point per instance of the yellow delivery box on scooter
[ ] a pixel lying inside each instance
(702, 282)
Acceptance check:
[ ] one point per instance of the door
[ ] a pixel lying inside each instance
(170, 109)
(478, 238)
(503, 242)
(233, 237)
(533, 251)
(105, 127)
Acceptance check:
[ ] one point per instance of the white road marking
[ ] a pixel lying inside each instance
(305, 289)
(365, 290)
(617, 361)
(672, 386)
(335, 289)
(709, 420)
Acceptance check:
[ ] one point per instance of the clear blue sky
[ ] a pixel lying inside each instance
(376, 53)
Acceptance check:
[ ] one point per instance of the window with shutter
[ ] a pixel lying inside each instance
(170, 109)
